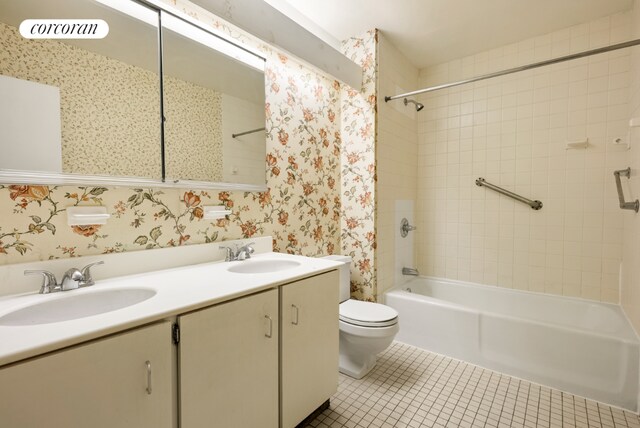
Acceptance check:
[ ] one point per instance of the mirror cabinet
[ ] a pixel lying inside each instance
(165, 104)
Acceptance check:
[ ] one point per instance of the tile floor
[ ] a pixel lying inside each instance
(410, 387)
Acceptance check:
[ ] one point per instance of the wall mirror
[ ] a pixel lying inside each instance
(211, 102)
(90, 111)
(86, 107)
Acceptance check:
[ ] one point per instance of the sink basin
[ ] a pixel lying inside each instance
(76, 306)
(263, 266)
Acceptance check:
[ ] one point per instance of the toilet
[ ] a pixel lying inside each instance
(366, 328)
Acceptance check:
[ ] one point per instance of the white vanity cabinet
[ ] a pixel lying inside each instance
(309, 353)
(119, 381)
(228, 358)
(267, 359)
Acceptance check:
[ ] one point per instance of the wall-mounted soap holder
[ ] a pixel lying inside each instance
(626, 140)
(578, 144)
(214, 212)
(86, 216)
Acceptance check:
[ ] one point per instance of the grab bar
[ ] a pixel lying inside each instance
(625, 205)
(536, 205)
(253, 131)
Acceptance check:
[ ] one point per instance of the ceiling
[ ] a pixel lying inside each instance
(430, 32)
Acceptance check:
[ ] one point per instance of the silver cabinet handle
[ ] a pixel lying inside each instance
(294, 319)
(148, 364)
(270, 334)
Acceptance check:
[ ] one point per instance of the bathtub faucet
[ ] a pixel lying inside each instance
(410, 271)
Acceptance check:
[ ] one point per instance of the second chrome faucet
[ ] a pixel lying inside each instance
(238, 253)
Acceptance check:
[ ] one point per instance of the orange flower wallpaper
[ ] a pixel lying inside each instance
(319, 170)
(301, 209)
(358, 171)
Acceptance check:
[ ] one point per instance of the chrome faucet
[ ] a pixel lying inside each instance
(410, 271)
(236, 253)
(72, 279)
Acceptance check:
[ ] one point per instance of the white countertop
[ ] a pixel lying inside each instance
(178, 290)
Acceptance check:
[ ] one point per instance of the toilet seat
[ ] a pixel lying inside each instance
(367, 314)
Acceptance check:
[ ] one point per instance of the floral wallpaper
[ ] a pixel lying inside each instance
(358, 236)
(301, 208)
(320, 169)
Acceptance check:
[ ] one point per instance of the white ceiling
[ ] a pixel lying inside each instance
(431, 32)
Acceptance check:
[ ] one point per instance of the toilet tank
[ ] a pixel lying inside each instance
(345, 275)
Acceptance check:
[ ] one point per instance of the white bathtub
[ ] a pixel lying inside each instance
(582, 347)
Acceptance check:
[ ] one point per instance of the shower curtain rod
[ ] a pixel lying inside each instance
(518, 69)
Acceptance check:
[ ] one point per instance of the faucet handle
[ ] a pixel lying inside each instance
(49, 282)
(87, 280)
(231, 252)
(245, 251)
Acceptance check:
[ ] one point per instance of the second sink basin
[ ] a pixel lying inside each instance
(263, 266)
(74, 306)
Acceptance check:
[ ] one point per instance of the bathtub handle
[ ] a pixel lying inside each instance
(405, 228)
(294, 312)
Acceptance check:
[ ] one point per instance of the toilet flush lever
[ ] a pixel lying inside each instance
(294, 313)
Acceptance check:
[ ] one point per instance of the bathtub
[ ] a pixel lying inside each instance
(582, 347)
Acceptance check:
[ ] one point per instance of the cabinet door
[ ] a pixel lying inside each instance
(309, 354)
(228, 359)
(101, 384)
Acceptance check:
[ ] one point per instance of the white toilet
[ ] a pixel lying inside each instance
(366, 328)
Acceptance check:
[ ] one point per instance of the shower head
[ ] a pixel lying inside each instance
(419, 106)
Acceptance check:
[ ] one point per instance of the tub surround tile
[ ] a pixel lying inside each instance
(513, 132)
(411, 387)
(630, 252)
(397, 164)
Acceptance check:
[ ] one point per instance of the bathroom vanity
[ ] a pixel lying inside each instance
(211, 347)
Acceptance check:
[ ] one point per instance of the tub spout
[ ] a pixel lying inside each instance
(410, 271)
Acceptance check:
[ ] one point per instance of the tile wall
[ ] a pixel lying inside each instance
(513, 132)
(630, 297)
(397, 156)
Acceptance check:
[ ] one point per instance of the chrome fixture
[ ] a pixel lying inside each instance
(405, 228)
(419, 106)
(148, 364)
(236, 253)
(410, 271)
(536, 205)
(625, 205)
(72, 279)
(518, 69)
(240, 134)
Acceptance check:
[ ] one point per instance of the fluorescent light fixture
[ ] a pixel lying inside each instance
(209, 40)
(133, 9)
